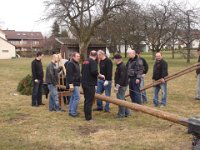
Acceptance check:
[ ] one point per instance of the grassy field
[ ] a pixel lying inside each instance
(25, 127)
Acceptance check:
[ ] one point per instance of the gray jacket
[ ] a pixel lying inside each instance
(135, 68)
(52, 74)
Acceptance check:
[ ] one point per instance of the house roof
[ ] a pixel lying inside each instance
(12, 34)
(74, 42)
(6, 41)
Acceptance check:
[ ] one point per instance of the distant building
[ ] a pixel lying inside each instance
(24, 41)
(69, 46)
(7, 50)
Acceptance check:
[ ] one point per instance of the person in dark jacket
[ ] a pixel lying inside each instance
(121, 82)
(89, 81)
(146, 68)
(52, 81)
(37, 78)
(106, 67)
(135, 71)
(198, 78)
(160, 71)
(74, 79)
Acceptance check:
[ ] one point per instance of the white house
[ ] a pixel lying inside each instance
(7, 50)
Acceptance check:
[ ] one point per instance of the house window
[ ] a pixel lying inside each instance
(5, 51)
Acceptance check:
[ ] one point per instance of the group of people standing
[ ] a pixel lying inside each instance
(94, 80)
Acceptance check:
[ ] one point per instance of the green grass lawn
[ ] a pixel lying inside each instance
(25, 127)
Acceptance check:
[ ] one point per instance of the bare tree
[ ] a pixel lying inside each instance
(83, 16)
(159, 25)
(188, 31)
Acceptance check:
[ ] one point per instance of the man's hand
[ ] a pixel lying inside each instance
(102, 77)
(116, 88)
(36, 80)
(71, 87)
(162, 80)
(105, 83)
(137, 81)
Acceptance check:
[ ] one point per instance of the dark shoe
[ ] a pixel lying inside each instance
(35, 105)
(196, 98)
(107, 111)
(42, 104)
(97, 109)
(72, 115)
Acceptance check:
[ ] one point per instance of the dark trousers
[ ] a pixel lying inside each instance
(134, 90)
(37, 93)
(89, 92)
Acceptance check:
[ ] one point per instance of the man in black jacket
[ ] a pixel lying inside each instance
(37, 77)
(89, 81)
(106, 66)
(121, 82)
(74, 79)
(160, 71)
(198, 78)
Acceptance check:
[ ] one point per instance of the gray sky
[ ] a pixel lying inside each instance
(23, 15)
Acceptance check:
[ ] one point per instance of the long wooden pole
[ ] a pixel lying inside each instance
(147, 110)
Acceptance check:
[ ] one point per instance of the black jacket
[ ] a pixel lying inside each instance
(37, 70)
(106, 67)
(52, 74)
(73, 73)
(160, 69)
(89, 72)
(146, 67)
(198, 70)
(121, 76)
(135, 67)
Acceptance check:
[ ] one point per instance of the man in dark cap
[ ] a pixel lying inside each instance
(121, 82)
(37, 77)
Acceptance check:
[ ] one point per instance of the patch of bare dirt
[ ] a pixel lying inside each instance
(19, 118)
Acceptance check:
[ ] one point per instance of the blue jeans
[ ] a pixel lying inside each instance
(122, 111)
(134, 90)
(74, 100)
(144, 95)
(157, 88)
(100, 89)
(53, 98)
(37, 93)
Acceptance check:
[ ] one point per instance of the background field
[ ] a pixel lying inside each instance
(25, 127)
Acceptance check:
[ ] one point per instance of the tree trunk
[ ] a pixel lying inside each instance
(125, 43)
(83, 49)
(188, 55)
(173, 51)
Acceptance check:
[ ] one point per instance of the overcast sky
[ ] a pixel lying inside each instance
(24, 15)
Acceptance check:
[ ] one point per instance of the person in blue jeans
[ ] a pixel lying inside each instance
(135, 70)
(145, 67)
(74, 79)
(106, 66)
(121, 82)
(37, 78)
(160, 71)
(52, 81)
(198, 78)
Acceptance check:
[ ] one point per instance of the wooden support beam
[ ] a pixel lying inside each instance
(147, 110)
